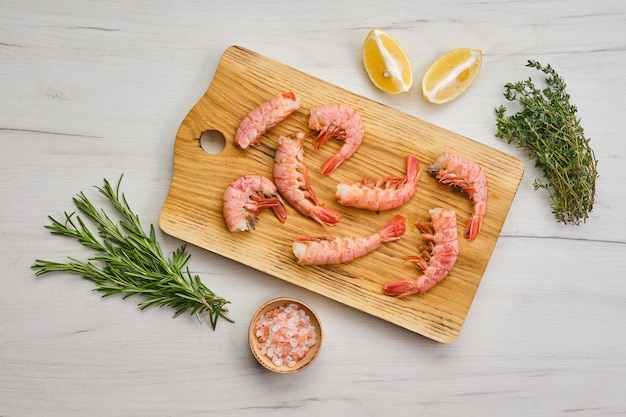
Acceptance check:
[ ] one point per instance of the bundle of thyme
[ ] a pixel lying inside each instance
(130, 262)
(548, 128)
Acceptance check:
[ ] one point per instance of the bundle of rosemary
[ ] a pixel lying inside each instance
(548, 128)
(130, 262)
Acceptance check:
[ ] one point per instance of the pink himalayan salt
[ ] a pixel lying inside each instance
(285, 334)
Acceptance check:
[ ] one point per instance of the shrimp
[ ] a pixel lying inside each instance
(342, 122)
(384, 194)
(265, 117)
(436, 259)
(336, 250)
(246, 197)
(291, 178)
(468, 176)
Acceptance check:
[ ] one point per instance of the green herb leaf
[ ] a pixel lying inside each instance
(130, 262)
(549, 129)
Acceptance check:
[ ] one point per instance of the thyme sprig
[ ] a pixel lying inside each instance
(130, 262)
(549, 129)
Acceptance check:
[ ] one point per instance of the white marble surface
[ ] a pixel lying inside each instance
(93, 89)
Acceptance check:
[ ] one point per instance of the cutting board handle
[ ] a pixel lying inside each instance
(194, 125)
(206, 114)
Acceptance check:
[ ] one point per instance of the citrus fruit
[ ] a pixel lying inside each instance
(450, 75)
(386, 63)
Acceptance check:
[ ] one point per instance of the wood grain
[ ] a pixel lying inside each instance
(193, 209)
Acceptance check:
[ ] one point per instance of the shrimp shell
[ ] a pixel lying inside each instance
(385, 193)
(265, 117)
(342, 122)
(466, 175)
(335, 250)
(246, 197)
(437, 258)
(291, 178)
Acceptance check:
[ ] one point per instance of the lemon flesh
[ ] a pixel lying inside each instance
(386, 63)
(450, 75)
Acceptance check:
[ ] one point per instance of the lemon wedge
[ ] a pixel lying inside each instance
(386, 63)
(450, 75)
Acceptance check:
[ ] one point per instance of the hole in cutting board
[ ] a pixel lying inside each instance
(212, 141)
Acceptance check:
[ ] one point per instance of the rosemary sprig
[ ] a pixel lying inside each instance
(130, 262)
(548, 128)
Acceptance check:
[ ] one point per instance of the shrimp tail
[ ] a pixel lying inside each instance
(401, 288)
(326, 134)
(406, 287)
(473, 227)
(331, 164)
(281, 212)
(325, 216)
(419, 260)
(275, 203)
(412, 167)
(394, 229)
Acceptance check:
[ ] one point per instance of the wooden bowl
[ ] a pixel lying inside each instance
(303, 362)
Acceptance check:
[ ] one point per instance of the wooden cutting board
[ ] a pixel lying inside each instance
(193, 208)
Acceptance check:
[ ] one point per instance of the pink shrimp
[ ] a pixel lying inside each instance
(342, 122)
(246, 197)
(468, 176)
(436, 259)
(336, 250)
(384, 194)
(291, 178)
(265, 117)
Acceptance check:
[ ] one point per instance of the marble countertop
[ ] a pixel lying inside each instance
(91, 90)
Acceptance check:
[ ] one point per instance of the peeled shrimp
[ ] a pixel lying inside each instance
(468, 176)
(291, 178)
(436, 259)
(336, 250)
(342, 122)
(265, 117)
(246, 197)
(383, 194)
